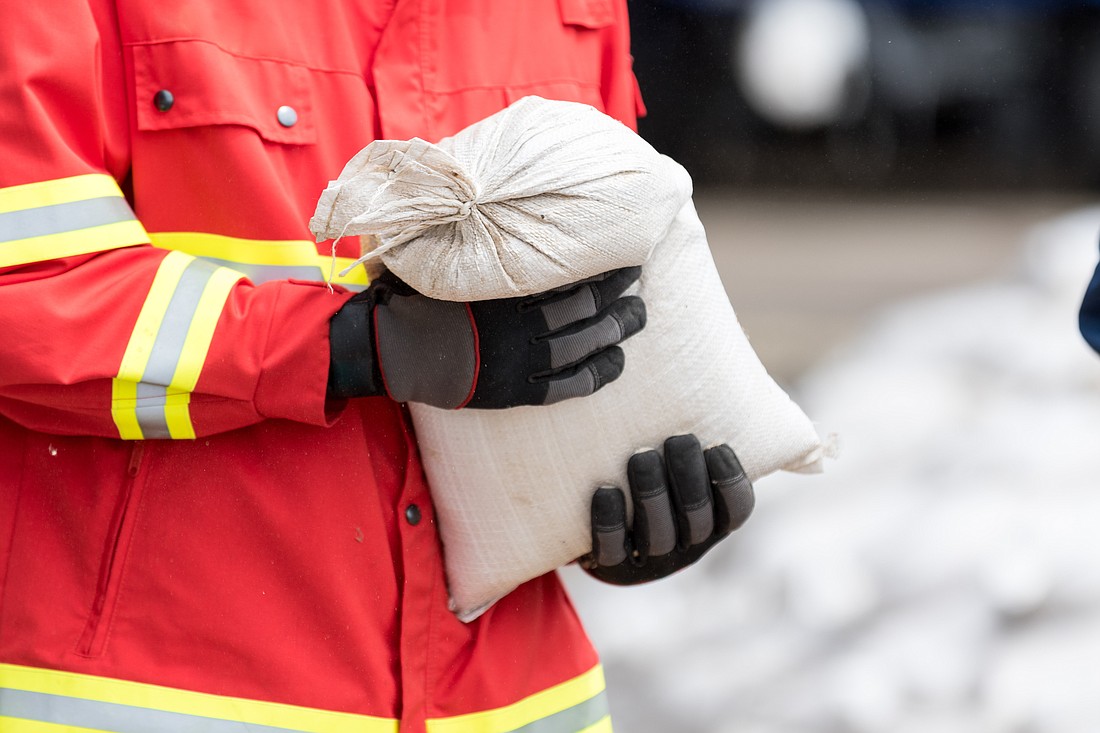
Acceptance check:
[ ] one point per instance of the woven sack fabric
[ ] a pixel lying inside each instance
(539, 195)
(512, 487)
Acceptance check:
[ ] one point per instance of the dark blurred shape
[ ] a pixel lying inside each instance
(870, 93)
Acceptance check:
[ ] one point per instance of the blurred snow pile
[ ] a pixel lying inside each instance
(942, 576)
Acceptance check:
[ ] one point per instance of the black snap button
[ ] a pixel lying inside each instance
(287, 116)
(412, 514)
(163, 100)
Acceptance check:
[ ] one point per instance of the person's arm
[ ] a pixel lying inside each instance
(100, 333)
(1088, 318)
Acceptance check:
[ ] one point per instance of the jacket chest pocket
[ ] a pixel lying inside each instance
(192, 83)
(587, 13)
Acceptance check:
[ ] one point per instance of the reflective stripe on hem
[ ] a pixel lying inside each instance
(150, 397)
(65, 217)
(578, 705)
(265, 260)
(34, 700)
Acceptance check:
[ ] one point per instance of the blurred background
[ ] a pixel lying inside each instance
(902, 199)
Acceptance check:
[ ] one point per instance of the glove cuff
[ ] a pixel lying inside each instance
(353, 369)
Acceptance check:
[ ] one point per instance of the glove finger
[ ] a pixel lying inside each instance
(734, 497)
(586, 378)
(654, 527)
(689, 486)
(583, 300)
(613, 284)
(610, 544)
(623, 319)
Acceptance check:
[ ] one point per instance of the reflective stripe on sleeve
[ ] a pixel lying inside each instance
(34, 700)
(578, 705)
(65, 217)
(22, 725)
(168, 347)
(265, 260)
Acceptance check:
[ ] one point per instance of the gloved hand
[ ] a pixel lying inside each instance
(683, 505)
(390, 340)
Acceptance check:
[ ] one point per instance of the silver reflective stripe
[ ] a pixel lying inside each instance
(168, 347)
(152, 399)
(116, 718)
(269, 273)
(570, 720)
(177, 320)
(68, 217)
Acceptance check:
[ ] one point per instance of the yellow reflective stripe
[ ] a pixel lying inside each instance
(76, 242)
(141, 696)
(123, 409)
(530, 710)
(168, 348)
(57, 191)
(201, 332)
(177, 415)
(152, 313)
(252, 253)
(64, 217)
(134, 360)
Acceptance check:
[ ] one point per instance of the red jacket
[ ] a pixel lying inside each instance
(187, 527)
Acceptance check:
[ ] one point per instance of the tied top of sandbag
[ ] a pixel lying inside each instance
(539, 195)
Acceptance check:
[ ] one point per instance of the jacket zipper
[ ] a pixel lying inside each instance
(93, 639)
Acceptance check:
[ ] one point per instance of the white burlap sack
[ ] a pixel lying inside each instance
(512, 487)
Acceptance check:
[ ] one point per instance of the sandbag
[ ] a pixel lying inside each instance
(541, 194)
(512, 487)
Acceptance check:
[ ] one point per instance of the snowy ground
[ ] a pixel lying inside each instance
(943, 576)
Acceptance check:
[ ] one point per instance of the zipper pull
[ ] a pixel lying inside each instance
(136, 454)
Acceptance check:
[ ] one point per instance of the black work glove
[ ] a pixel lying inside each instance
(683, 505)
(391, 340)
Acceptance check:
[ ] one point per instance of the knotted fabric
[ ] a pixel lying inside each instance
(539, 195)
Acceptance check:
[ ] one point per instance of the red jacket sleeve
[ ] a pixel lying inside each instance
(100, 333)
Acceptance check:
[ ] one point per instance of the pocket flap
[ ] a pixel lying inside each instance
(587, 13)
(211, 86)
